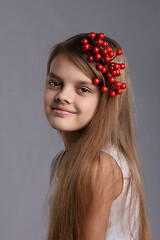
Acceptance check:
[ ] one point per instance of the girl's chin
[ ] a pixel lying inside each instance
(66, 129)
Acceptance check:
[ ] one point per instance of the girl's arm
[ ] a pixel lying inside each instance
(107, 184)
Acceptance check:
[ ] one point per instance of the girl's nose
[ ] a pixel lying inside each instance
(64, 96)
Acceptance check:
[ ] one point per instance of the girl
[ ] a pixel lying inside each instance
(95, 184)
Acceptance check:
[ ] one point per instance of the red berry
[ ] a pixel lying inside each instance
(99, 42)
(99, 67)
(101, 35)
(104, 52)
(92, 35)
(91, 58)
(95, 49)
(111, 80)
(109, 75)
(105, 44)
(112, 93)
(122, 66)
(86, 46)
(96, 81)
(82, 49)
(107, 59)
(118, 72)
(111, 53)
(104, 70)
(84, 41)
(119, 51)
(111, 68)
(104, 89)
(101, 52)
(116, 66)
(117, 84)
(123, 86)
(114, 72)
(109, 49)
(119, 91)
(97, 56)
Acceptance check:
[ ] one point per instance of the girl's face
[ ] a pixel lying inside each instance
(67, 87)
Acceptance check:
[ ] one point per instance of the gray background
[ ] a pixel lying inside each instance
(28, 29)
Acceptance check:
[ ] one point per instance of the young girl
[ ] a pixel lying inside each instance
(95, 185)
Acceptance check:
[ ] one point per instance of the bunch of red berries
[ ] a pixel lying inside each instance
(101, 51)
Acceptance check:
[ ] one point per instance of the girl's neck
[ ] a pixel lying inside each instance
(70, 138)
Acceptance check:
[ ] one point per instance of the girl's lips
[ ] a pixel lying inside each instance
(61, 112)
(63, 109)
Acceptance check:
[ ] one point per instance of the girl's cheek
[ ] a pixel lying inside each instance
(48, 95)
(47, 100)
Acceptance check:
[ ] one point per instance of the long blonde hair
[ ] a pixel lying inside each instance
(113, 124)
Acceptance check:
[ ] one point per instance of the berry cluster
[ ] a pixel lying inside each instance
(101, 51)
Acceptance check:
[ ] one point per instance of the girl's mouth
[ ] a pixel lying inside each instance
(61, 112)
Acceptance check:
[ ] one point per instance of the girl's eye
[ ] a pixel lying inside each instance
(53, 83)
(84, 90)
(57, 84)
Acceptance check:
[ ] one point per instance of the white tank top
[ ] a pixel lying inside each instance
(115, 231)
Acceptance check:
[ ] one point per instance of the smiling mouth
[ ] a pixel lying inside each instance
(61, 112)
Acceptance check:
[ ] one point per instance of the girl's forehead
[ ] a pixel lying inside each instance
(64, 67)
(60, 59)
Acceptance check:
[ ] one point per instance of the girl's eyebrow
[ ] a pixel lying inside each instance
(51, 74)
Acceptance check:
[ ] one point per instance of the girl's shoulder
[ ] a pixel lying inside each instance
(110, 174)
(119, 158)
(121, 168)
